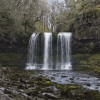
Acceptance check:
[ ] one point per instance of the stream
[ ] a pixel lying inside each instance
(72, 77)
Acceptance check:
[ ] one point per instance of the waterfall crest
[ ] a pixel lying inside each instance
(51, 57)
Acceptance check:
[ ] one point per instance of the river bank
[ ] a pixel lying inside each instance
(80, 62)
(18, 84)
(87, 62)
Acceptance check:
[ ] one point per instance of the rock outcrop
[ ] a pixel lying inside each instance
(86, 37)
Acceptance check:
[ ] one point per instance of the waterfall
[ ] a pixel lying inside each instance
(47, 51)
(31, 60)
(63, 45)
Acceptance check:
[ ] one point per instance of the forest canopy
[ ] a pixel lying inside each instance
(20, 18)
(40, 15)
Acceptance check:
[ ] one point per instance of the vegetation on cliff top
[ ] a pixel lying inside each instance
(18, 19)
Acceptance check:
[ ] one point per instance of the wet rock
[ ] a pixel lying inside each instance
(78, 78)
(77, 94)
(22, 81)
(88, 84)
(32, 93)
(37, 98)
(50, 96)
(66, 87)
(4, 96)
(54, 74)
(92, 95)
(21, 86)
(52, 78)
(71, 79)
(6, 91)
(47, 90)
(41, 88)
(63, 76)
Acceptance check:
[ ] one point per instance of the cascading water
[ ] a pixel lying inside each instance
(31, 64)
(47, 51)
(49, 54)
(63, 46)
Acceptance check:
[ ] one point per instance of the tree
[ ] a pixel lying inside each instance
(25, 13)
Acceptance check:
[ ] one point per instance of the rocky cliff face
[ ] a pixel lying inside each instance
(86, 38)
(13, 42)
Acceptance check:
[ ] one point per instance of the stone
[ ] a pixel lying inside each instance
(4, 96)
(32, 93)
(6, 91)
(50, 96)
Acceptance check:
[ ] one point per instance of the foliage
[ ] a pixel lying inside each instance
(12, 59)
(88, 62)
(73, 10)
(18, 20)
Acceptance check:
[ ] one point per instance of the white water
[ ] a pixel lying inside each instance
(31, 51)
(47, 51)
(64, 40)
(62, 56)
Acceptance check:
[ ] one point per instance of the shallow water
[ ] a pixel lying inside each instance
(72, 77)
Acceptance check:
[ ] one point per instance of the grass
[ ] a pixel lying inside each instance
(12, 59)
(88, 62)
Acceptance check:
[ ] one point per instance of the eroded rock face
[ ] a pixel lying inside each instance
(86, 38)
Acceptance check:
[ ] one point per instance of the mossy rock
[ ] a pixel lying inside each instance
(44, 83)
(92, 95)
(67, 86)
(12, 59)
(66, 89)
(83, 63)
(88, 62)
(77, 94)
